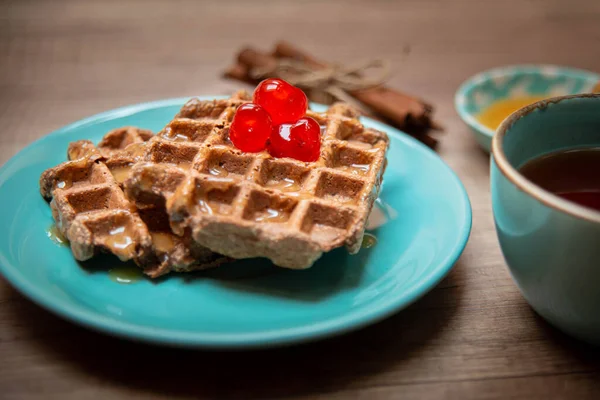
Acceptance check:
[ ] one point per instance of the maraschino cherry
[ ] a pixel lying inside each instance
(277, 120)
(300, 140)
(250, 128)
(284, 102)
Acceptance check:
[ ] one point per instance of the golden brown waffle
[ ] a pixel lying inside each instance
(92, 211)
(251, 204)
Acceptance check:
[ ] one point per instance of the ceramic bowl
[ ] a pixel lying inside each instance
(485, 88)
(551, 245)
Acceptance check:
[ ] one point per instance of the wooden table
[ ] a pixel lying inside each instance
(472, 337)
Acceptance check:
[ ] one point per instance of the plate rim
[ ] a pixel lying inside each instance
(271, 338)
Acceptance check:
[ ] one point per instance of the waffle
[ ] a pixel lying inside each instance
(93, 213)
(253, 205)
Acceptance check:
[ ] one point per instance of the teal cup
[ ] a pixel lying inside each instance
(551, 245)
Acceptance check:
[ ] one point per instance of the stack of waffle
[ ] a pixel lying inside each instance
(187, 199)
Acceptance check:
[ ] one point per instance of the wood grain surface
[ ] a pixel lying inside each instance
(473, 336)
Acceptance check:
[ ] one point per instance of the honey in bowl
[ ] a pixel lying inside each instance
(493, 115)
(571, 174)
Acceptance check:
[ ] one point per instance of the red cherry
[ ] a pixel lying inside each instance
(250, 128)
(301, 140)
(284, 102)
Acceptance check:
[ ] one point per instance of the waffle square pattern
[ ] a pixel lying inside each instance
(92, 211)
(244, 205)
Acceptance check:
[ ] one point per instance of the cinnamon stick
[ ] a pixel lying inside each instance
(407, 112)
(251, 58)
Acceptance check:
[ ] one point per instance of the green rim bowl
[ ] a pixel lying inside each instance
(483, 89)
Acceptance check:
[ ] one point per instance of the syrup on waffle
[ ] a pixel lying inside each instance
(253, 205)
(93, 213)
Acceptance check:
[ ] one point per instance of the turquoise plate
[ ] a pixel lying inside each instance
(424, 207)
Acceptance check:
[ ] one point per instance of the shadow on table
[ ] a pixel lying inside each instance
(329, 365)
(582, 353)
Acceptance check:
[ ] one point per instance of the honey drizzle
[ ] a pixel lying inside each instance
(355, 169)
(56, 236)
(120, 239)
(285, 185)
(360, 144)
(64, 184)
(163, 242)
(270, 215)
(369, 240)
(340, 199)
(121, 173)
(125, 274)
(204, 207)
(300, 195)
(145, 182)
(212, 208)
(177, 137)
(218, 170)
(137, 150)
(186, 165)
(345, 200)
(381, 213)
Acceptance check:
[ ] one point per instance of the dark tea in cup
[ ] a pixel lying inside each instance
(571, 174)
